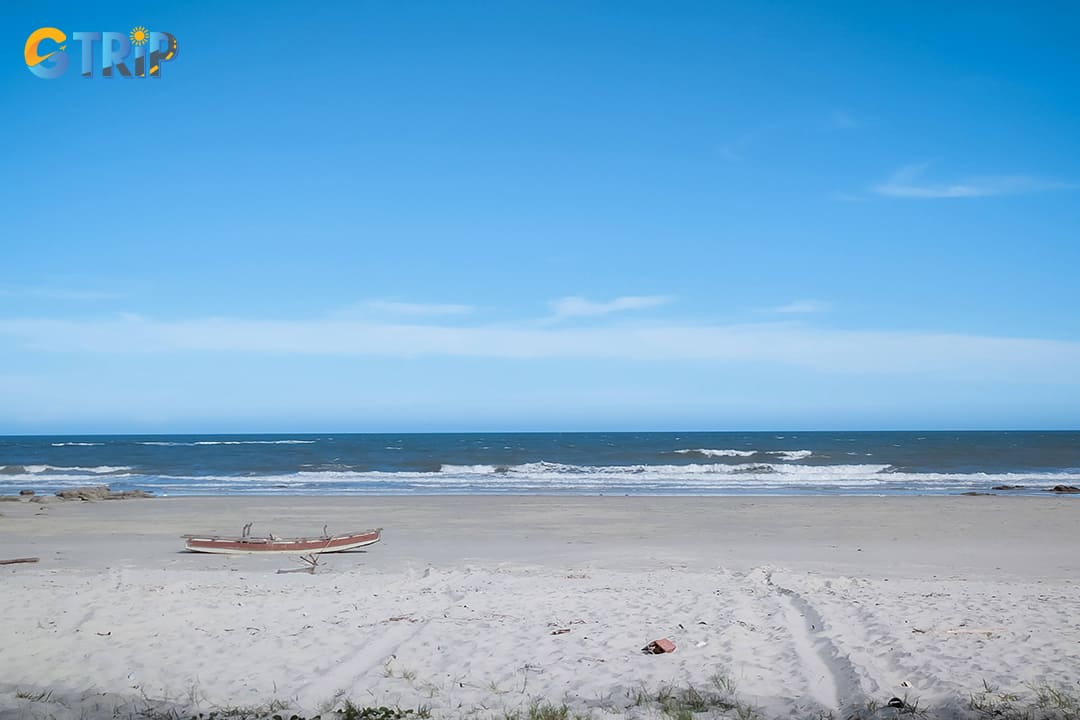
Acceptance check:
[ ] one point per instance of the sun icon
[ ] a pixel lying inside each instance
(138, 35)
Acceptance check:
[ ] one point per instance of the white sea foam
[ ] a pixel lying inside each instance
(547, 478)
(475, 469)
(779, 477)
(76, 444)
(559, 470)
(786, 455)
(792, 455)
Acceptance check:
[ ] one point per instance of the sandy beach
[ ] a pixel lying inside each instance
(803, 605)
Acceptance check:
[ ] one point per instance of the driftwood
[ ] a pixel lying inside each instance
(312, 561)
(19, 560)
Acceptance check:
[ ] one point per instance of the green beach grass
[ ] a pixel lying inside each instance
(718, 700)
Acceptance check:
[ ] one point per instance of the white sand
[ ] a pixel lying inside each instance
(807, 604)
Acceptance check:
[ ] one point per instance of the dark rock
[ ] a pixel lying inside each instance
(1064, 489)
(973, 493)
(1008, 487)
(89, 492)
(26, 492)
(101, 492)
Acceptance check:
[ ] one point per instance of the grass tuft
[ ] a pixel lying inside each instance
(715, 700)
(42, 696)
(351, 711)
(685, 702)
(1046, 702)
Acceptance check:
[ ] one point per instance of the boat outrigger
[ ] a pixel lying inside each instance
(247, 543)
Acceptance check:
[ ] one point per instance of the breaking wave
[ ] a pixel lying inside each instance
(788, 455)
(792, 455)
(718, 453)
(57, 470)
(304, 463)
(550, 470)
(547, 478)
(779, 477)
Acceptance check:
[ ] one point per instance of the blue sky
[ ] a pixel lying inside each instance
(536, 216)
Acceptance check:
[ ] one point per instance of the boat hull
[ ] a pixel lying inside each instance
(281, 546)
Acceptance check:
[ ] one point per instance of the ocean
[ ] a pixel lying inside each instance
(690, 463)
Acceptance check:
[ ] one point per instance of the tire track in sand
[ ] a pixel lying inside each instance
(356, 660)
(832, 677)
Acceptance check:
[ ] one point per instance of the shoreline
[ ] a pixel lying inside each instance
(805, 604)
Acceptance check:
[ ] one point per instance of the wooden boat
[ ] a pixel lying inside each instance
(247, 543)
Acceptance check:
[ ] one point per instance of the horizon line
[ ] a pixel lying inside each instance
(546, 432)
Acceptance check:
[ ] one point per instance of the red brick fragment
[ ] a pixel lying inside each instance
(657, 647)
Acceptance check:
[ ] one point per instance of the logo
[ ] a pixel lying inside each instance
(138, 53)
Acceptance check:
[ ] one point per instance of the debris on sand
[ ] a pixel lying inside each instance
(658, 647)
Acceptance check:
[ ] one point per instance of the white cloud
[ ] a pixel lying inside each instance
(803, 306)
(407, 309)
(907, 183)
(963, 357)
(569, 307)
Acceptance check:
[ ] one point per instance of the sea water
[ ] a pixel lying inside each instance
(649, 463)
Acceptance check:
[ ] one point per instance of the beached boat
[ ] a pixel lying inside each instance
(247, 543)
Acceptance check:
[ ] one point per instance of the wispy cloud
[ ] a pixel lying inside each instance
(406, 309)
(570, 307)
(802, 306)
(907, 182)
(958, 356)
